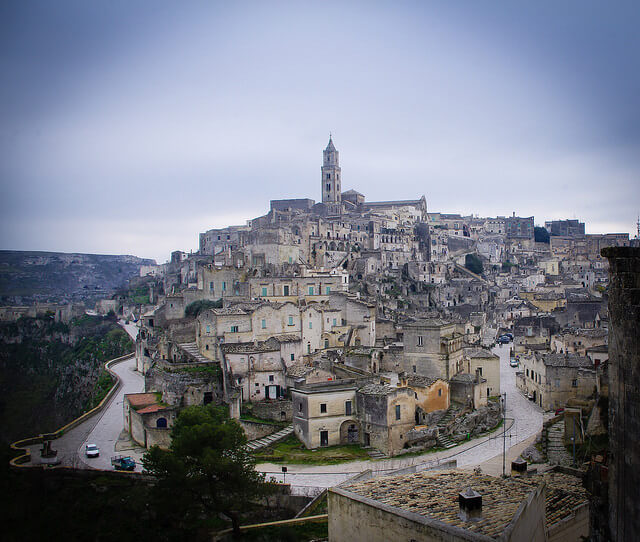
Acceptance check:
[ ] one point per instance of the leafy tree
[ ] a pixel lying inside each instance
(541, 235)
(195, 308)
(206, 471)
(473, 263)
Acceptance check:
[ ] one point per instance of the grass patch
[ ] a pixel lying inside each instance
(290, 533)
(291, 450)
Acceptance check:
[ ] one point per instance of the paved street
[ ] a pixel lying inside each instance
(527, 421)
(108, 427)
(110, 423)
(102, 429)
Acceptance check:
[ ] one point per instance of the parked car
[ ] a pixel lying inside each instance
(514, 362)
(91, 450)
(559, 411)
(510, 335)
(120, 462)
(503, 339)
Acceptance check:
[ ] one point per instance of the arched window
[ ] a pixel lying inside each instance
(161, 423)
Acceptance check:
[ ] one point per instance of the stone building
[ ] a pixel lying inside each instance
(485, 363)
(387, 415)
(148, 420)
(624, 392)
(324, 413)
(459, 506)
(550, 379)
(432, 348)
(259, 368)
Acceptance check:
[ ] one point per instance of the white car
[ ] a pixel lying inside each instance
(91, 450)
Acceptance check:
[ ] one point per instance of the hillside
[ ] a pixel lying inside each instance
(27, 277)
(50, 372)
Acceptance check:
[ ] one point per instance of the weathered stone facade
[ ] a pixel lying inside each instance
(624, 392)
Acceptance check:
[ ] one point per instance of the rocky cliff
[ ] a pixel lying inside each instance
(50, 372)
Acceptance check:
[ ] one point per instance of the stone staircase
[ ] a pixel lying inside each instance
(192, 350)
(556, 451)
(374, 453)
(269, 439)
(443, 440)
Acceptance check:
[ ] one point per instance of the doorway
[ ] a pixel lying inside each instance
(324, 438)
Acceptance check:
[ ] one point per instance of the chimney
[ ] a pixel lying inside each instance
(470, 505)
(519, 466)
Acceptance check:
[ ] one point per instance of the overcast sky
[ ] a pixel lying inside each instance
(130, 127)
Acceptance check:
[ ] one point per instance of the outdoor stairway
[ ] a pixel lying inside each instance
(192, 350)
(374, 453)
(448, 416)
(270, 439)
(443, 441)
(556, 451)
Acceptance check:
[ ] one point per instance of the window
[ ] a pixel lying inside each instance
(335, 322)
(264, 291)
(211, 286)
(397, 412)
(440, 392)
(293, 357)
(234, 329)
(208, 329)
(414, 368)
(480, 371)
(224, 286)
(270, 378)
(310, 324)
(328, 290)
(527, 372)
(264, 323)
(310, 290)
(290, 320)
(285, 290)
(574, 383)
(328, 187)
(323, 408)
(328, 177)
(419, 340)
(326, 343)
(299, 407)
(347, 408)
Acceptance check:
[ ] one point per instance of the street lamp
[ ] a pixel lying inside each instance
(504, 431)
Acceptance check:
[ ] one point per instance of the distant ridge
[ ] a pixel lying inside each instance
(27, 277)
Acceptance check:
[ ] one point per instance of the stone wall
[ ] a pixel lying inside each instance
(184, 388)
(272, 410)
(255, 430)
(624, 391)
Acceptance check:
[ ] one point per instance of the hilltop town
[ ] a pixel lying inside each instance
(373, 331)
(373, 322)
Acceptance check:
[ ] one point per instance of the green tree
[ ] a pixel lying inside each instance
(207, 469)
(195, 308)
(541, 235)
(473, 263)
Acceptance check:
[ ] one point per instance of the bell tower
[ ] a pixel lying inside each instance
(331, 174)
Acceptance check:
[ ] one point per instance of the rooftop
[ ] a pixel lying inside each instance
(435, 496)
(376, 389)
(566, 360)
(477, 352)
(419, 380)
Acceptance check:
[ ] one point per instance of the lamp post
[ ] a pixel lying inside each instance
(504, 432)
